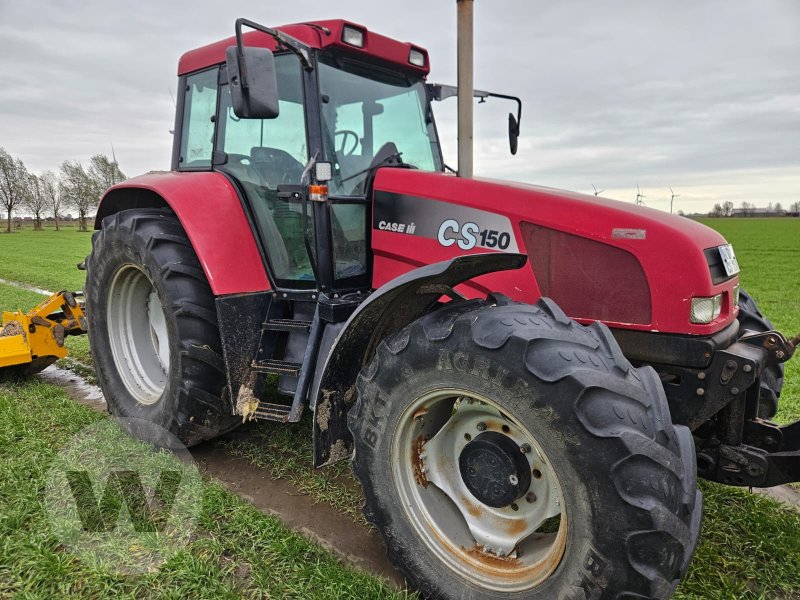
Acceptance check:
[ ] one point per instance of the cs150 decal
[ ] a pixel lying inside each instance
(449, 224)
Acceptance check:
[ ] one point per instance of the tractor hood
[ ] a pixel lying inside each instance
(629, 266)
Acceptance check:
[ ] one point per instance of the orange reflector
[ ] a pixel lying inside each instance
(318, 193)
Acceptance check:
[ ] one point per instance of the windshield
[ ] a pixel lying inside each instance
(369, 115)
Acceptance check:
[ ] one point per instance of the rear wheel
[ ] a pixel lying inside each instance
(507, 452)
(153, 327)
(750, 318)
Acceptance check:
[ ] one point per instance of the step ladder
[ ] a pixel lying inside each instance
(297, 341)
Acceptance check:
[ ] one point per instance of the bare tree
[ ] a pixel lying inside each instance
(727, 208)
(52, 193)
(795, 208)
(105, 172)
(34, 199)
(12, 184)
(717, 210)
(778, 207)
(746, 208)
(81, 191)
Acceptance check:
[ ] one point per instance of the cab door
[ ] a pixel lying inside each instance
(263, 154)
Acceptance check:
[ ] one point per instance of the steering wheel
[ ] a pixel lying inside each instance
(346, 133)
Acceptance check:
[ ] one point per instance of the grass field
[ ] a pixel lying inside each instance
(750, 546)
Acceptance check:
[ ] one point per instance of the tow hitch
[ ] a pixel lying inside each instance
(747, 450)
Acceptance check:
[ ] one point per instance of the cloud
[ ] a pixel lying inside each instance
(702, 96)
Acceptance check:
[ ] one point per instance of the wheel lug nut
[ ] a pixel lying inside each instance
(525, 448)
(514, 506)
(481, 426)
(513, 479)
(530, 497)
(467, 437)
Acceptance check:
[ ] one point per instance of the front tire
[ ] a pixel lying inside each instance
(575, 429)
(751, 318)
(153, 327)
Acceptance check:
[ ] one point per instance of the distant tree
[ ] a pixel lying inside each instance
(795, 208)
(681, 213)
(13, 176)
(52, 192)
(717, 211)
(770, 208)
(81, 191)
(778, 207)
(34, 199)
(105, 172)
(747, 208)
(727, 208)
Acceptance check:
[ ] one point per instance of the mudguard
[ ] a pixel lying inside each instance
(390, 308)
(212, 215)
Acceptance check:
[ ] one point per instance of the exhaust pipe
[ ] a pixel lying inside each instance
(464, 9)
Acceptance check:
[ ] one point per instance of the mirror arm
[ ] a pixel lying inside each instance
(439, 92)
(292, 44)
(480, 94)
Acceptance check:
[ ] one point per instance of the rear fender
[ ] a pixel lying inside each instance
(387, 310)
(211, 213)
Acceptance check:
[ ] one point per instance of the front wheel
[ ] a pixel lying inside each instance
(507, 452)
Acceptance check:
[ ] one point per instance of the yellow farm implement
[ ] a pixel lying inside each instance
(31, 341)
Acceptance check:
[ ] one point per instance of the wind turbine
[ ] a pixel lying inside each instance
(597, 193)
(672, 199)
(639, 196)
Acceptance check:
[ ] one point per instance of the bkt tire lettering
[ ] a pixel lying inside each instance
(466, 235)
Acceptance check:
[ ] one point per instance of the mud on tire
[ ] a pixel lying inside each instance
(627, 474)
(149, 247)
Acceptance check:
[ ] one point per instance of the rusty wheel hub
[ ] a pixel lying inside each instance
(480, 490)
(494, 469)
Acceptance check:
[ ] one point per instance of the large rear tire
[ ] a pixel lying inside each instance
(507, 452)
(153, 327)
(750, 317)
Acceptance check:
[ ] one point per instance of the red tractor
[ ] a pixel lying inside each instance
(528, 381)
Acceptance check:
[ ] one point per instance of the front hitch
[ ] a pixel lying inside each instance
(774, 342)
(746, 450)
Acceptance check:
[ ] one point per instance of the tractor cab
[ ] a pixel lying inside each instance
(323, 109)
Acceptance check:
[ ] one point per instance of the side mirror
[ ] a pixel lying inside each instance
(513, 133)
(253, 83)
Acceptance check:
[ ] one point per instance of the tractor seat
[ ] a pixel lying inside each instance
(275, 166)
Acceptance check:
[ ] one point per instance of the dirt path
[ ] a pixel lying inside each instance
(352, 542)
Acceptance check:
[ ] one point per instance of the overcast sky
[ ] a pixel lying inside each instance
(703, 96)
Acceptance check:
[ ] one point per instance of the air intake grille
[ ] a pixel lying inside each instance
(588, 279)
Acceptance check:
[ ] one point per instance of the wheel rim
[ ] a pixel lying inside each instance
(138, 334)
(508, 548)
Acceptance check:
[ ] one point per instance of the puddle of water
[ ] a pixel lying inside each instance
(25, 286)
(75, 385)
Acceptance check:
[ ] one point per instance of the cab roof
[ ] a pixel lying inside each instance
(315, 34)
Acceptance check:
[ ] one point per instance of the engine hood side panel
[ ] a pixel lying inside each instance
(420, 218)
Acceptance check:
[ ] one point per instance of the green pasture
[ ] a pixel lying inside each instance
(750, 545)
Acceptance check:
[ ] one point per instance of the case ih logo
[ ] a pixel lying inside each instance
(451, 225)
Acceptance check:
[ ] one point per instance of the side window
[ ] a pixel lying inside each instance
(200, 106)
(268, 152)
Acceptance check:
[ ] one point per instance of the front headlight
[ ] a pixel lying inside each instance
(705, 310)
